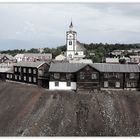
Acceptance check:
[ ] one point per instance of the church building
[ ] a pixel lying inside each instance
(74, 48)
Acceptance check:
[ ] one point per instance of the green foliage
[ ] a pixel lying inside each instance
(33, 50)
(102, 50)
(13, 52)
(55, 51)
(99, 49)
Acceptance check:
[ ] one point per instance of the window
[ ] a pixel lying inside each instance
(11, 76)
(132, 84)
(82, 75)
(15, 77)
(117, 84)
(132, 75)
(70, 42)
(24, 78)
(34, 71)
(105, 75)
(94, 76)
(56, 75)
(106, 84)
(19, 77)
(34, 79)
(68, 84)
(7, 75)
(15, 69)
(68, 76)
(19, 69)
(29, 70)
(30, 79)
(56, 83)
(24, 70)
(117, 75)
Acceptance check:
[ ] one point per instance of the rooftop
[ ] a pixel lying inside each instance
(34, 55)
(80, 46)
(102, 67)
(65, 67)
(30, 64)
(7, 55)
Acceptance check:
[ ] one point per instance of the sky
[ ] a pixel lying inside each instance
(25, 26)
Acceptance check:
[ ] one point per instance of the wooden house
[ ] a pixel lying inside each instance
(116, 76)
(88, 78)
(97, 76)
(4, 69)
(30, 72)
(63, 76)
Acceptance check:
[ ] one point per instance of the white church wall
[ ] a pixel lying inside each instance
(70, 53)
(62, 86)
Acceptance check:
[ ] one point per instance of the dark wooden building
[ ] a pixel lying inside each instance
(96, 76)
(63, 76)
(30, 72)
(88, 78)
(4, 69)
(118, 76)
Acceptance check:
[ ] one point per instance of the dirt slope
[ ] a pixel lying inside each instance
(32, 111)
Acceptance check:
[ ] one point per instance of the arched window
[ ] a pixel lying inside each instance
(70, 42)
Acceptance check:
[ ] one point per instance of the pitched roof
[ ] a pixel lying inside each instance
(79, 46)
(34, 55)
(7, 55)
(102, 67)
(66, 67)
(19, 55)
(2, 55)
(36, 64)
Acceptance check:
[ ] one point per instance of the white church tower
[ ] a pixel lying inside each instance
(74, 48)
(71, 36)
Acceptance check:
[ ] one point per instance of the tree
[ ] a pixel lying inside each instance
(33, 50)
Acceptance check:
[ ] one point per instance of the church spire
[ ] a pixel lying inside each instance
(71, 26)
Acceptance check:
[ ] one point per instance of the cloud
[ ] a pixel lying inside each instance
(46, 24)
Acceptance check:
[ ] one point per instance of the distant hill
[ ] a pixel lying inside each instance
(33, 111)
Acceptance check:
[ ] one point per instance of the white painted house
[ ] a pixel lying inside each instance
(62, 86)
(60, 57)
(33, 57)
(135, 59)
(112, 60)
